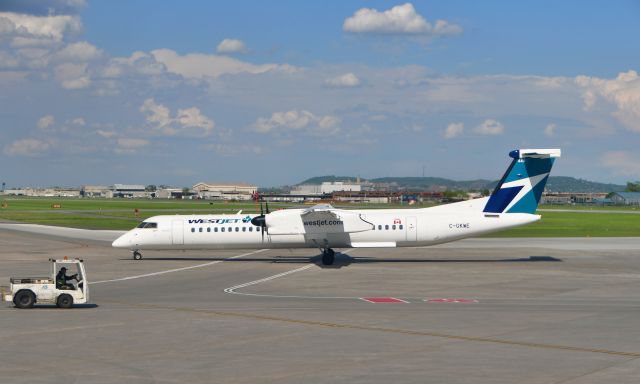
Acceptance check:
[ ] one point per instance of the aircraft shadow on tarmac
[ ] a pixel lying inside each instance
(343, 260)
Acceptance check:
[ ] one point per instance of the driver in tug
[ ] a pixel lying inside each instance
(62, 280)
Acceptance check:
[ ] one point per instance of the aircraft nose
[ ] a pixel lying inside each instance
(123, 241)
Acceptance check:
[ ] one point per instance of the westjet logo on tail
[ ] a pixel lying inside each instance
(245, 219)
(521, 187)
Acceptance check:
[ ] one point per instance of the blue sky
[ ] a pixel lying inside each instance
(98, 92)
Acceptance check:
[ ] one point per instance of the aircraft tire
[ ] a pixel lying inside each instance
(137, 255)
(328, 258)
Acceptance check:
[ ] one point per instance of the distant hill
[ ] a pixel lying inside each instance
(571, 184)
(434, 183)
(331, 178)
(555, 183)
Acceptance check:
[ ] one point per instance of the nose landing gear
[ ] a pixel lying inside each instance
(137, 255)
(328, 256)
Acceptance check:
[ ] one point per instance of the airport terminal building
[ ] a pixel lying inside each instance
(224, 191)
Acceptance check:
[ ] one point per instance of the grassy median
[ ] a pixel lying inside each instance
(572, 221)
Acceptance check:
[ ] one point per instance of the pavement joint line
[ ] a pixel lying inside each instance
(177, 269)
(479, 339)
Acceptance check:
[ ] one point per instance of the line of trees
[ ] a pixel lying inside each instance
(633, 187)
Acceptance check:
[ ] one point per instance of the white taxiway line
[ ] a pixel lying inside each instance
(233, 290)
(177, 269)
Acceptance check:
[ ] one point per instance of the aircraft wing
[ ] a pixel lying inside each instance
(319, 219)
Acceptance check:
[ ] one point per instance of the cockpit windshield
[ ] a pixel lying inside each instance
(146, 224)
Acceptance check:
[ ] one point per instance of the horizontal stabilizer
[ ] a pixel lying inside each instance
(535, 153)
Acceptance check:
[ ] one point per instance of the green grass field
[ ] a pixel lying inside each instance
(120, 214)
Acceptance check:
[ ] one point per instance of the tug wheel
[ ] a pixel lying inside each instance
(24, 299)
(64, 301)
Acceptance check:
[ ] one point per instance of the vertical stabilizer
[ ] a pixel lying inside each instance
(520, 188)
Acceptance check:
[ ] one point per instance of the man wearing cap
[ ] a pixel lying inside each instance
(62, 279)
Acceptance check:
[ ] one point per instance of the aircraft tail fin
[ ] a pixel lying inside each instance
(520, 188)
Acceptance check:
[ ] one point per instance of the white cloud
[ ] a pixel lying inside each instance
(401, 19)
(347, 80)
(292, 120)
(453, 130)
(106, 134)
(296, 120)
(130, 146)
(79, 121)
(73, 76)
(157, 114)
(40, 30)
(623, 92)
(490, 127)
(138, 63)
(622, 163)
(45, 122)
(80, 51)
(199, 66)
(231, 46)
(550, 130)
(188, 121)
(34, 58)
(26, 147)
(191, 117)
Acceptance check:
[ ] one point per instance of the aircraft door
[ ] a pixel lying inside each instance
(412, 229)
(177, 232)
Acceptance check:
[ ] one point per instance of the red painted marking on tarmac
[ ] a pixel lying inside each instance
(464, 301)
(383, 300)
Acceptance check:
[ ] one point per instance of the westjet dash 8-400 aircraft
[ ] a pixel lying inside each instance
(513, 202)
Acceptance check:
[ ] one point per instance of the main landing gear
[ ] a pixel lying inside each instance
(328, 256)
(137, 255)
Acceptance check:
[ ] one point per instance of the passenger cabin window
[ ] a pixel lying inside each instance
(208, 229)
(222, 229)
(379, 227)
(215, 229)
(386, 226)
(393, 226)
(200, 229)
(193, 229)
(145, 224)
(244, 229)
(237, 229)
(401, 226)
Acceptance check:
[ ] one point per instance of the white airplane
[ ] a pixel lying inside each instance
(513, 202)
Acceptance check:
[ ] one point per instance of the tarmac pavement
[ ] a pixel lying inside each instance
(475, 311)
